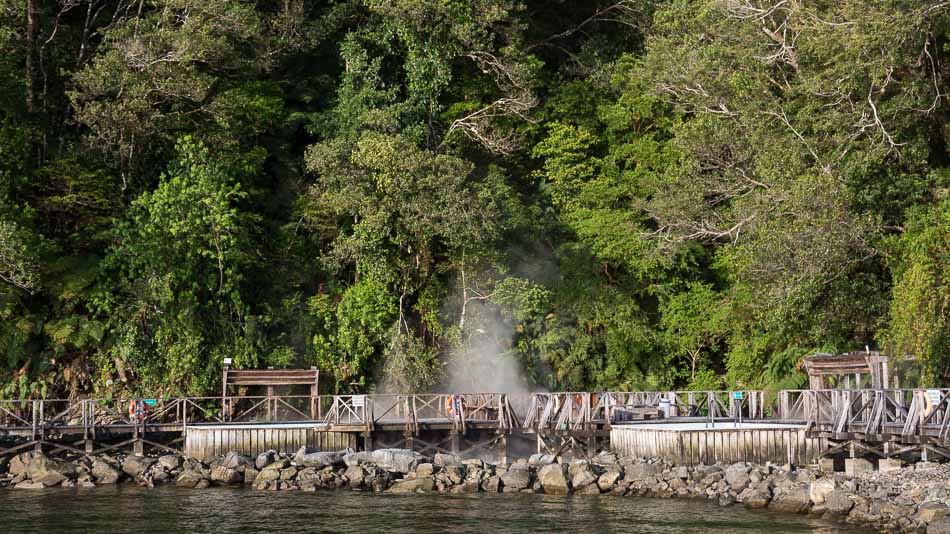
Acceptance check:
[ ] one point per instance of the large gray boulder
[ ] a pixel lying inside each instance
(609, 478)
(270, 473)
(416, 485)
(318, 458)
(468, 486)
(358, 458)
(135, 466)
(454, 474)
(516, 479)
(541, 459)
(553, 478)
(398, 460)
(492, 484)
(446, 459)
(605, 458)
(169, 462)
(233, 460)
(641, 472)
(105, 473)
(20, 463)
(581, 475)
(757, 496)
(931, 511)
(819, 490)
(49, 479)
(940, 526)
(190, 478)
(473, 463)
(355, 475)
(791, 499)
(425, 470)
(264, 459)
(221, 474)
(737, 476)
(392, 460)
(838, 502)
(50, 472)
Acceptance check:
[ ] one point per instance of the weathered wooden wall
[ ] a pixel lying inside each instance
(208, 442)
(696, 446)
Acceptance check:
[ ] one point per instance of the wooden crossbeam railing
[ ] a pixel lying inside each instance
(899, 415)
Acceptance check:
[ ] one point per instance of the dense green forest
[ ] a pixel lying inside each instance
(629, 194)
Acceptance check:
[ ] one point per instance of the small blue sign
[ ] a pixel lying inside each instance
(737, 395)
(150, 402)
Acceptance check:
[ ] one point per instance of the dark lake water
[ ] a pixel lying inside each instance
(222, 510)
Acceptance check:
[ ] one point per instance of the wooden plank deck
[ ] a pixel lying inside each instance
(885, 420)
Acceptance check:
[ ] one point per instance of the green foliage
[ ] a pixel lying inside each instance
(920, 310)
(176, 67)
(18, 267)
(179, 256)
(601, 195)
(353, 331)
(692, 323)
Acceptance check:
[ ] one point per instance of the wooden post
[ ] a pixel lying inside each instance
(85, 421)
(454, 441)
(137, 448)
(42, 421)
(271, 411)
(224, 391)
(368, 441)
(34, 409)
(314, 393)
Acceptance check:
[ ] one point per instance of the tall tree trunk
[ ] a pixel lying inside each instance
(693, 357)
(30, 55)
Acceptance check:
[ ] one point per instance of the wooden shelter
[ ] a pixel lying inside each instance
(270, 378)
(868, 369)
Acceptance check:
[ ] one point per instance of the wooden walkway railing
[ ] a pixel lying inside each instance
(906, 417)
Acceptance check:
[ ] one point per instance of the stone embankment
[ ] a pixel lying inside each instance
(912, 499)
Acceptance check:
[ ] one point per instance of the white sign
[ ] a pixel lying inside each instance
(359, 401)
(935, 396)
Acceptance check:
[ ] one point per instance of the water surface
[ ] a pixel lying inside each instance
(128, 508)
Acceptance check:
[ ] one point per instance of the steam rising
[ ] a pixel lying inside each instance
(486, 362)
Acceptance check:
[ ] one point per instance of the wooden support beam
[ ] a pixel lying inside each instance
(11, 450)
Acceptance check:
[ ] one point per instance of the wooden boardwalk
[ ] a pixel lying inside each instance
(883, 422)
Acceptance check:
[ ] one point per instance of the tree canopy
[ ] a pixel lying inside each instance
(410, 194)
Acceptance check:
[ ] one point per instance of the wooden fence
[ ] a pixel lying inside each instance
(871, 417)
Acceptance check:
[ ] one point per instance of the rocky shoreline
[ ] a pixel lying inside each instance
(912, 499)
